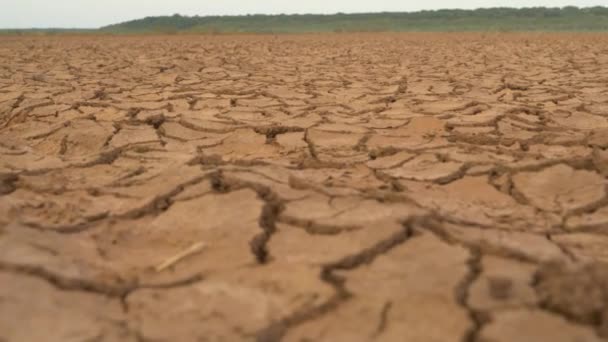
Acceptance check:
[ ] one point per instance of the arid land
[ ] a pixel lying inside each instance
(336, 187)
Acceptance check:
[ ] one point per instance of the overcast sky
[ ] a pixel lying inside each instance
(96, 13)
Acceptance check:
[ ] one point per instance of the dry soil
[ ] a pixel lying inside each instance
(377, 187)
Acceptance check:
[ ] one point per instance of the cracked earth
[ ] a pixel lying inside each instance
(381, 187)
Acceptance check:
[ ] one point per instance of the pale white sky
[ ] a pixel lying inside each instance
(96, 13)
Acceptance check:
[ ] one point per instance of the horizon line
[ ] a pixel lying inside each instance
(297, 14)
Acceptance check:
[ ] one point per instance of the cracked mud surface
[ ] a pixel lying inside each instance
(381, 187)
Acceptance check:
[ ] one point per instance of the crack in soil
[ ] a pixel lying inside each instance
(273, 206)
(276, 331)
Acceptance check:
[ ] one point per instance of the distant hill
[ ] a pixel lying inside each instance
(486, 19)
(492, 19)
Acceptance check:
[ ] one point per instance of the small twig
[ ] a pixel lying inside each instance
(193, 249)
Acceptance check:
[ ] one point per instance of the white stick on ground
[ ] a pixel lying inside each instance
(193, 249)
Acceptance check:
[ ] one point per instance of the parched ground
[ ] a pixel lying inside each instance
(380, 187)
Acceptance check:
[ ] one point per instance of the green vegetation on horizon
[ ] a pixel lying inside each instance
(490, 19)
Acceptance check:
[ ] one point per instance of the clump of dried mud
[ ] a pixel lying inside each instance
(579, 292)
(390, 187)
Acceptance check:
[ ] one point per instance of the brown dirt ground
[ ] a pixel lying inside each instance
(378, 187)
